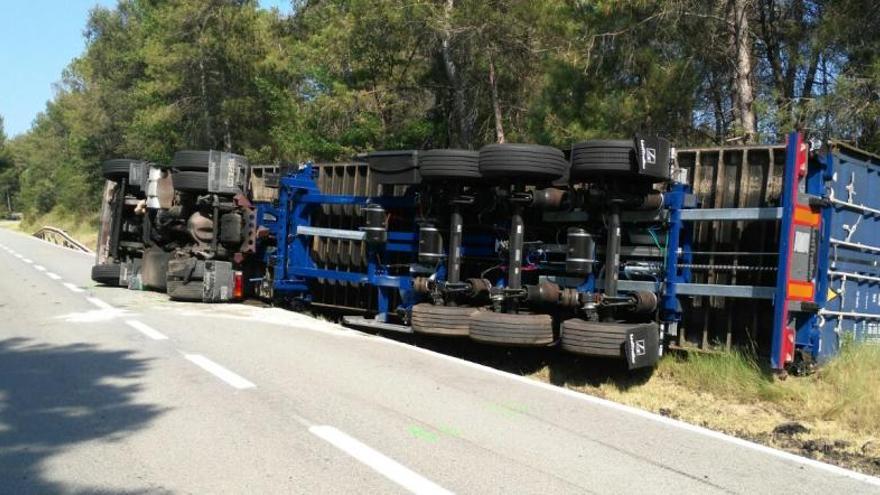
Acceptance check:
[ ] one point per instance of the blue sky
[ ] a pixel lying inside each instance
(38, 38)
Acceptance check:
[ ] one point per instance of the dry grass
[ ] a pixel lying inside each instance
(846, 391)
(82, 228)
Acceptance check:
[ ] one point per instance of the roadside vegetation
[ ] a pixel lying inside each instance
(81, 226)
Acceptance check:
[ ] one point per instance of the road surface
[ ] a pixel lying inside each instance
(110, 390)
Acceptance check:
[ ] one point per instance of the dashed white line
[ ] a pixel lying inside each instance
(73, 288)
(146, 330)
(40, 268)
(19, 256)
(53, 276)
(26, 260)
(99, 303)
(377, 461)
(220, 372)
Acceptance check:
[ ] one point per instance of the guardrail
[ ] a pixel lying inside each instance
(61, 238)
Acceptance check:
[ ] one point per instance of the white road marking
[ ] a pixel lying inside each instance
(26, 260)
(53, 276)
(146, 330)
(19, 256)
(219, 371)
(377, 461)
(40, 268)
(73, 288)
(99, 303)
(717, 435)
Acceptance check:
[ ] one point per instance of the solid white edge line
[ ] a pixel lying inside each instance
(40, 268)
(53, 276)
(73, 288)
(377, 461)
(717, 435)
(99, 303)
(220, 372)
(146, 330)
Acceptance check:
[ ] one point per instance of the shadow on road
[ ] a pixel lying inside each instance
(548, 364)
(53, 398)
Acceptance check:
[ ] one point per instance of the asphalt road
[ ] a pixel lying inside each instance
(116, 391)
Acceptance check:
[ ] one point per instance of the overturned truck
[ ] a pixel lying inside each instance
(612, 248)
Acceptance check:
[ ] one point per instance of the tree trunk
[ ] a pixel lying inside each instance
(206, 111)
(744, 93)
(459, 97)
(496, 106)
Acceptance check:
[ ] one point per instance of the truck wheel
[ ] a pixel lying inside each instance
(522, 162)
(117, 168)
(193, 182)
(107, 274)
(436, 165)
(191, 160)
(638, 343)
(198, 160)
(429, 319)
(600, 158)
(520, 329)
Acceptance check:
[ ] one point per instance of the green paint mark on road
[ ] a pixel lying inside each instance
(431, 436)
(450, 431)
(423, 434)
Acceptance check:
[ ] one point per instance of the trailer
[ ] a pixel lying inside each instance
(613, 248)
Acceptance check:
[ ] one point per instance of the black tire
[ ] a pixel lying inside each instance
(596, 338)
(185, 291)
(117, 169)
(522, 162)
(519, 329)
(191, 160)
(154, 271)
(196, 160)
(437, 165)
(603, 158)
(107, 274)
(191, 182)
(429, 319)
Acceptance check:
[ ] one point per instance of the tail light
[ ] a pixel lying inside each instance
(237, 286)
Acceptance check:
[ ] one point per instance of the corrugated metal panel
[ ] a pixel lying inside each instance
(745, 176)
(853, 306)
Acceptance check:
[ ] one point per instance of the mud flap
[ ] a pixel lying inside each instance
(642, 346)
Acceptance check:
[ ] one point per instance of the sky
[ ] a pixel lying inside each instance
(38, 38)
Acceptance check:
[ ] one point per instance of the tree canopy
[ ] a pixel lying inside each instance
(337, 77)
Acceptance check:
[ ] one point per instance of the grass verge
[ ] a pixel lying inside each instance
(83, 227)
